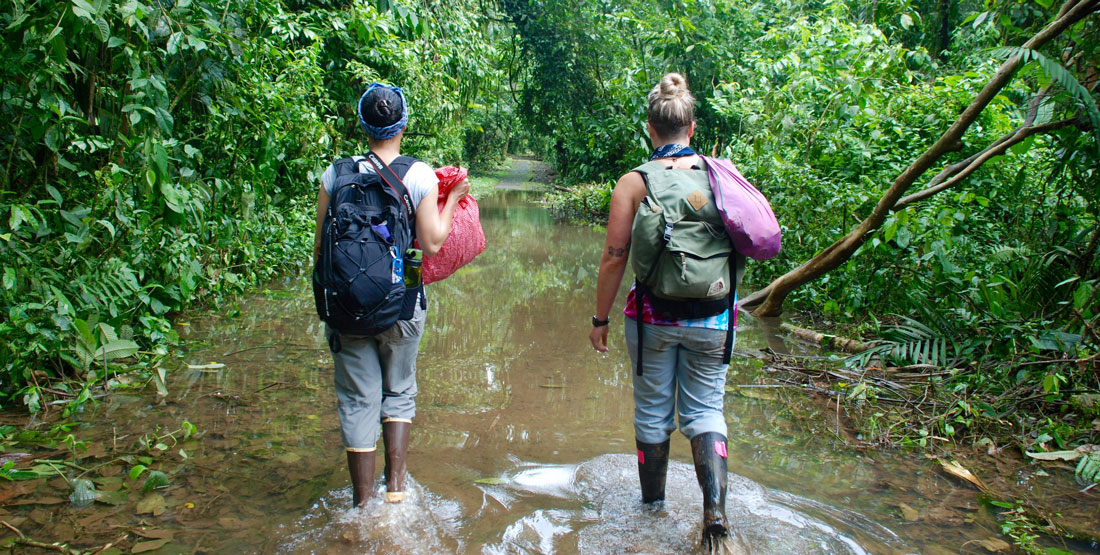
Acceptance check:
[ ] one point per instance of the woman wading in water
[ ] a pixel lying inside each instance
(682, 361)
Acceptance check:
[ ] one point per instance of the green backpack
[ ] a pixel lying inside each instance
(684, 262)
(679, 248)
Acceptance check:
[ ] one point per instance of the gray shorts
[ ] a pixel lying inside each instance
(376, 380)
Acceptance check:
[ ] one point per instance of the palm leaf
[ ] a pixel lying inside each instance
(911, 342)
(1059, 74)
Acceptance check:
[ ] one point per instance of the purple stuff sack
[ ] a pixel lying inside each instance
(749, 219)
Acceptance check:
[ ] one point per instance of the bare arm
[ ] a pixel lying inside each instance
(628, 193)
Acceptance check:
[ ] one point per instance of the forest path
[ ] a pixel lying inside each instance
(527, 174)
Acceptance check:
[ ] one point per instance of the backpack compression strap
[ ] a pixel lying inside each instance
(393, 182)
(727, 354)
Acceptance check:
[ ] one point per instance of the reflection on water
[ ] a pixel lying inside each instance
(521, 442)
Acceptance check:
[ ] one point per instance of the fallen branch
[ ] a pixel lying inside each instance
(962, 170)
(22, 539)
(826, 340)
(12, 528)
(109, 544)
(47, 546)
(769, 301)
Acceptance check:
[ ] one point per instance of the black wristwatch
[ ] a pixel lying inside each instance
(596, 322)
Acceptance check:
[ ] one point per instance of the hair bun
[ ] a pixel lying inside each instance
(381, 107)
(673, 85)
(671, 107)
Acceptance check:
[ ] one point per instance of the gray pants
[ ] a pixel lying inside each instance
(682, 376)
(376, 380)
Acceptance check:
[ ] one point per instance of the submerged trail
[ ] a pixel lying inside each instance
(523, 440)
(522, 175)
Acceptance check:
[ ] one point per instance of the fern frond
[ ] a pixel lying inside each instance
(912, 342)
(1005, 253)
(1059, 74)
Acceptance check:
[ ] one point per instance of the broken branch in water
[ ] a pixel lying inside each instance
(109, 544)
(826, 340)
(24, 540)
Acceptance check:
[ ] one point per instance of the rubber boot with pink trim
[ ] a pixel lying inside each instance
(652, 468)
(709, 451)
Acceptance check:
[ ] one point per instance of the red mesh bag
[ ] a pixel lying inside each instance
(467, 239)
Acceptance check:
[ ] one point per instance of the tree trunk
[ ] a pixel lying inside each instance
(769, 301)
(945, 29)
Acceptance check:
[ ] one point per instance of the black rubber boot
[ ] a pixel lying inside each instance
(709, 451)
(361, 466)
(395, 434)
(652, 467)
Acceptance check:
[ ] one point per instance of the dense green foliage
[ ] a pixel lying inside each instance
(158, 154)
(165, 153)
(823, 105)
(585, 67)
(162, 154)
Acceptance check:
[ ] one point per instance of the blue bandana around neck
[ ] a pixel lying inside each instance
(389, 131)
(671, 151)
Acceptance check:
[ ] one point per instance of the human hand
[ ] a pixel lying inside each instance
(598, 337)
(461, 189)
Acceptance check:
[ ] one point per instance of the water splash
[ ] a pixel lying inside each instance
(591, 507)
(421, 524)
(610, 518)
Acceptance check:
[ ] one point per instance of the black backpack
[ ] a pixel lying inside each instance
(358, 281)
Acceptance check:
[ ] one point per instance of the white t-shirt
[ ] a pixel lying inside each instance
(419, 180)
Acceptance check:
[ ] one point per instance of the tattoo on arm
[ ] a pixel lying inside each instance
(618, 252)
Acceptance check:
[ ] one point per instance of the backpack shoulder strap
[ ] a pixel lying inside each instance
(402, 164)
(344, 166)
(340, 168)
(649, 167)
(393, 182)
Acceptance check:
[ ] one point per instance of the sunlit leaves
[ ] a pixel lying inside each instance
(9, 472)
(136, 471)
(1088, 469)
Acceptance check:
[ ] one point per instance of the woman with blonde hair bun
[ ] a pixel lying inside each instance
(681, 364)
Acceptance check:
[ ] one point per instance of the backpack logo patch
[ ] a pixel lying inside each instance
(697, 200)
(717, 287)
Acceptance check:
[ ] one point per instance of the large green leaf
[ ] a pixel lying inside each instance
(119, 348)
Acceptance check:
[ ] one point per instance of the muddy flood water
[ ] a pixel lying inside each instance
(522, 441)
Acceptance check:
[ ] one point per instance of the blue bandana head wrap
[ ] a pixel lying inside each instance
(388, 131)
